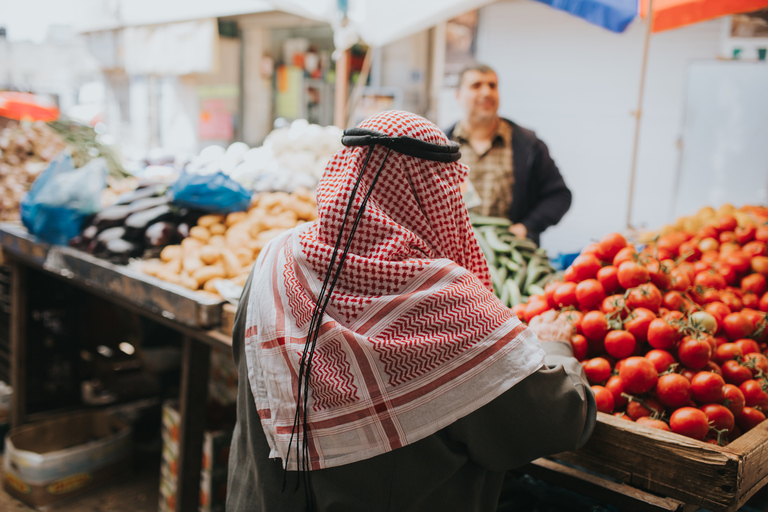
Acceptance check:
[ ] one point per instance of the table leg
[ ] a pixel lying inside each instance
(192, 402)
(18, 340)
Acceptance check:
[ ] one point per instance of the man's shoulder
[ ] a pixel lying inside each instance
(520, 132)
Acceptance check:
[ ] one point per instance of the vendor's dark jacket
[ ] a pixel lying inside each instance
(540, 197)
(460, 468)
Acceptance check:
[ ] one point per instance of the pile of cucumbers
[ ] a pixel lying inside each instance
(518, 267)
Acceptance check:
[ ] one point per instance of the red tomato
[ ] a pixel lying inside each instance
(619, 344)
(660, 272)
(694, 353)
(744, 234)
(594, 325)
(701, 266)
(755, 283)
(661, 359)
(735, 373)
(613, 303)
(731, 300)
(628, 253)
(737, 326)
(670, 242)
(623, 416)
(565, 295)
(549, 291)
(674, 301)
(727, 223)
(574, 318)
(536, 306)
(645, 296)
(763, 305)
(690, 422)
(747, 346)
(649, 422)
(616, 386)
(661, 335)
(749, 418)
(707, 388)
(632, 274)
(734, 398)
(762, 234)
(755, 248)
(708, 232)
(689, 251)
(585, 266)
(680, 280)
(738, 260)
(750, 300)
(718, 310)
(519, 310)
(754, 393)
(610, 245)
(638, 374)
(637, 323)
(673, 390)
(609, 278)
(598, 370)
(755, 361)
(590, 249)
(647, 407)
(719, 416)
(688, 373)
(673, 316)
(569, 276)
(603, 398)
(580, 346)
(589, 293)
(728, 272)
(709, 279)
(727, 352)
(727, 236)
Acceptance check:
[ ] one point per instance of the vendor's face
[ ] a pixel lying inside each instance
(478, 95)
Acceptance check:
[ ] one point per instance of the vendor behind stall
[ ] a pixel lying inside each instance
(378, 372)
(508, 165)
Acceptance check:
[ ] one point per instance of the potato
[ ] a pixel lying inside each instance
(188, 282)
(235, 217)
(217, 241)
(209, 220)
(210, 254)
(151, 267)
(217, 229)
(208, 272)
(200, 233)
(210, 285)
(189, 243)
(192, 263)
(170, 252)
(244, 255)
(174, 266)
(231, 264)
(165, 275)
(241, 279)
(270, 234)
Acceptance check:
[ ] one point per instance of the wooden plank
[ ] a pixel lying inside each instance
(662, 462)
(196, 362)
(607, 491)
(18, 341)
(753, 474)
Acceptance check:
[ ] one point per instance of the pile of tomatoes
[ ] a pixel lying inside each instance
(673, 336)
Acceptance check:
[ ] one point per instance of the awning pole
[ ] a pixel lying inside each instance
(639, 114)
(342, 90)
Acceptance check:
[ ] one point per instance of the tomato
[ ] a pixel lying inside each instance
(673, 316)
(580, 346)
(645, 296)
(755, 248)
(632, 274)
(674, 300)
(749, 418)
(729, 247)
(589, 293)
(727, 352)
(762, 234)
(590, 249)
(754, 283)
(628, 253)
(757, 362)
(673, 390)
(728, 272)
(586, 266)
(680, 280)
(647, 407)
(649, 422)
(690, 422)
(594, 325)
(710, 279)
(734, 398)
(598, 370)
(735, 373)
(727, 236)
(737, 325)
(747, 346)
(637, 323)
(708, 257)
(661, 335)
(613, 303)
(549, 291)
(719, 416)
(638, 374)
(623, 416)
(569, 275)
(661, 359)
(708, 244)
(574, 318)
(603, 398)
(536, 306)
(755, 394)
(616, 386)
(744, 234)
(718, 310)
(689, 251)
(738, 260)
(701, 320)
(731, 300)
(763, 304)
(565, 295)
(610, 245)
(707, 388)
(670, 242)
(750, 300)
(619, 344)
(609, 278)
(694, 353)
(727, 223)
(688, 373)
(701, 266)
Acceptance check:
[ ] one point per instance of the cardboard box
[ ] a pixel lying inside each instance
(65, 456)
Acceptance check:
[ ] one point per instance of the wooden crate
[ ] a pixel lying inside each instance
(720, 478)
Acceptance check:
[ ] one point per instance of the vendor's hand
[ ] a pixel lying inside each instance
(552, 326)
(519, 230)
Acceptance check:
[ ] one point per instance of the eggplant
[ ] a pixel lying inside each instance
(97, 245)
(90, 233)
(111, 216)
(182, 230)
(141, 193)
(119, 251)
(137, 223)
(147, 202)
(160, 234)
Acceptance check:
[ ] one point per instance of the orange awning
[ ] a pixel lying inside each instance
(27, 106)
(669, 14)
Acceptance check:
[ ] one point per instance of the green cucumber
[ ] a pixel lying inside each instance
(493, 240)
(513, 290)
(482, 220)
(490, 256)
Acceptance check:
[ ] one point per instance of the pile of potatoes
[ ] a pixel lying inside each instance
(225, 247)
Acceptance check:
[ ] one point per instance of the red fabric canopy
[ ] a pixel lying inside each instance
(669, 14)
(27, 106)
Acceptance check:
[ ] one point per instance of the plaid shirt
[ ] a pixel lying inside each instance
(490, 172)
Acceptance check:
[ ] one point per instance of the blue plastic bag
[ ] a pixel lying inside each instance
(215, 193)
(62, 197)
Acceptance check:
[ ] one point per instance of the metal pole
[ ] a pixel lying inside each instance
(639, 113)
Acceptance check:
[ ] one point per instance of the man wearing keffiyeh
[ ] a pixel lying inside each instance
(412, 388)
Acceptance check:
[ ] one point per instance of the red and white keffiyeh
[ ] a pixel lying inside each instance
(413, 338)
